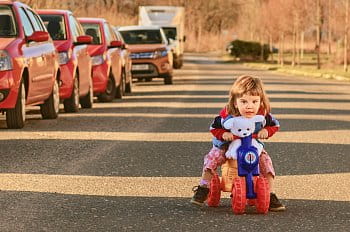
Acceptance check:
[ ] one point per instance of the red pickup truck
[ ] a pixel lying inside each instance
(29, 70)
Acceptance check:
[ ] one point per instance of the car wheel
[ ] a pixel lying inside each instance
(71, 104)
(50, 108)
(120, 91)
(15, 118)
(110, 91)
(168, 79)
(88, 100)
(128, 86)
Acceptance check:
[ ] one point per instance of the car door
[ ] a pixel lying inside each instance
(40, 72)
(83, 57)
(48, 52)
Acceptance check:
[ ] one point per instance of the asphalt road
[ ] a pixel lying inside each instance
(130, 165)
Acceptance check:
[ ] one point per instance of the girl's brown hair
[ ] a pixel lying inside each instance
(248, 85)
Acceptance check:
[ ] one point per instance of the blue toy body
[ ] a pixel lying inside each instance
(248, 164)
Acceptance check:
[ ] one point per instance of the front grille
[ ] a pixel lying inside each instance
(141, 55)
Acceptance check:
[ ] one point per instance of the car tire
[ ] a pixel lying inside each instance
(168, 79)
(71, 105)
(128, 86)
(120, 90)
(110, 91)
(87, 101)
(15, 118)
(50, 108)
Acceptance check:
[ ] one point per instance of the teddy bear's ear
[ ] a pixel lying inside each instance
(228, 124)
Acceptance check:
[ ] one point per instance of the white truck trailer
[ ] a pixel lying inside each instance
(172, 21)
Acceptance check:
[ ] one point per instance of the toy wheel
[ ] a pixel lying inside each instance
(214, 192)
(239, 196)
(263, 195)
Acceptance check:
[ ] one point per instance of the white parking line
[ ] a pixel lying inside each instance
(308, 187)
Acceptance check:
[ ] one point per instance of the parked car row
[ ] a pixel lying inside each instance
(50, 56)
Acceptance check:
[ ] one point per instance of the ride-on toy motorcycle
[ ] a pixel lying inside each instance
(241, 178)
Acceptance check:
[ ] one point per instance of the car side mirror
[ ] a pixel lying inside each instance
(116, 44)
(38, 36)
(83, 39)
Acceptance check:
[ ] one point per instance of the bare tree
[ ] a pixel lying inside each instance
(346, 35)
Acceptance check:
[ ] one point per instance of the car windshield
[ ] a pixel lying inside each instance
(170, 32)
(93, 30)
(142, 37)
(7, 22)
(55, 26)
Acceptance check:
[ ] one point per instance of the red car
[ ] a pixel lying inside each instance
(28, 65)
(106, 60)
(75, 62)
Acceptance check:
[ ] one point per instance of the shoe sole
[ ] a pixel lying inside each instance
(196, 203)
(279, 209)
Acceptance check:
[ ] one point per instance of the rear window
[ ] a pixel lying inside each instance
(7, 22)
(142, 37)
(93, 30)
(55, 25)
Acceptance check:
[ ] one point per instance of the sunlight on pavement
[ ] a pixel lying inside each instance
(318, 137)
(345, 118)
(225, 96)
(308, 187)
(206, 105)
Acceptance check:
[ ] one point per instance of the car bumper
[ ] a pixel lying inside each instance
(155, 67)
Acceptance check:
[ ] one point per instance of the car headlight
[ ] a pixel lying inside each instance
(63, 57)
(161, 53)
(97, 60)
(5, 61)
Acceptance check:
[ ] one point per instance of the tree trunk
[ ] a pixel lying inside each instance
(329, 51)
(281, 50)
(318, 30)
(271, 48)
(346, 36)
(297, 50)
(302, 45)
(294, 46)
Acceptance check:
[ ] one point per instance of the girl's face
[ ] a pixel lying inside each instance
(248, 106)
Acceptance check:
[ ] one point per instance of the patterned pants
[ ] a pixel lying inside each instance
(216, 157)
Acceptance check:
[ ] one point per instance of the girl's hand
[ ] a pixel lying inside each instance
(227, 136)
(263, 134)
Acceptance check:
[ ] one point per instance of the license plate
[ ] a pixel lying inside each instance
(140, 67)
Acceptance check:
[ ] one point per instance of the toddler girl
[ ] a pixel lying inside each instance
(247, 98)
